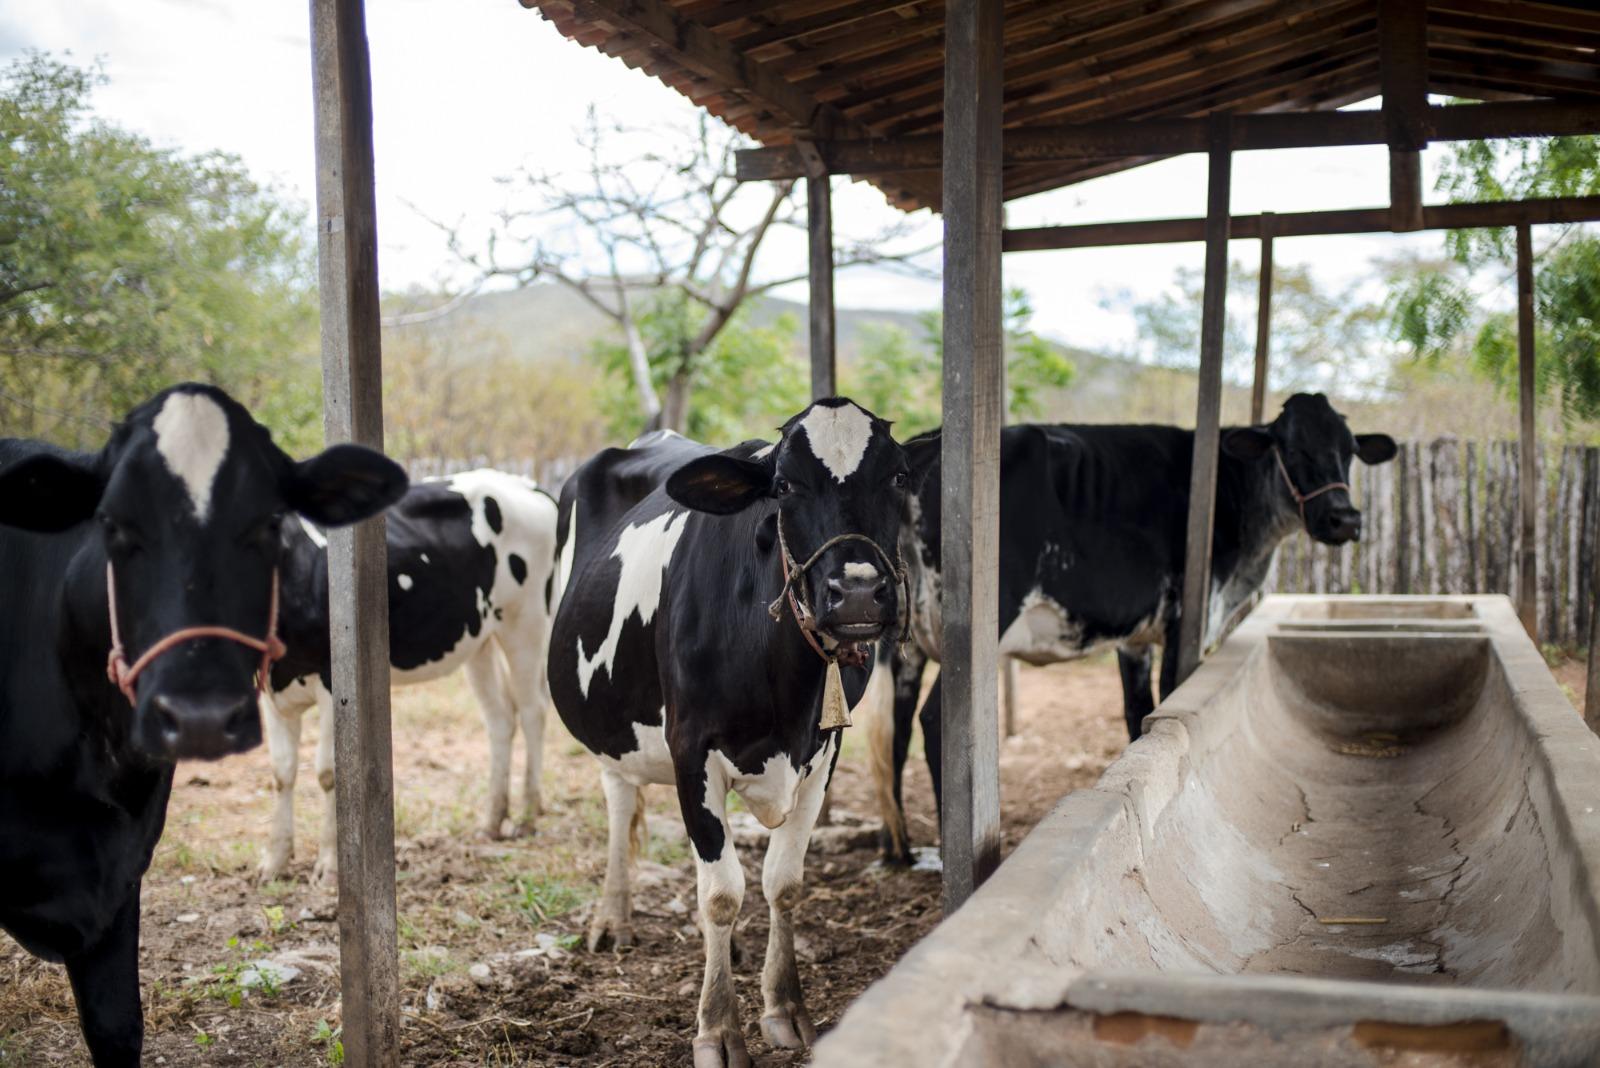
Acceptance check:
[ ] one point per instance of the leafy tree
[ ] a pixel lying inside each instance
(744, 383)
(899, 379)
(124, 267)
(1456, 309)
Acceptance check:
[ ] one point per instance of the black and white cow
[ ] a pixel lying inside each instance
(157, 555)
(666, 662)
(471, 561)
(1092, 528)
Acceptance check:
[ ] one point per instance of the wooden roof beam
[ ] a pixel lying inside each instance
(1403, 71)
(1117, 138)
(1306, 224)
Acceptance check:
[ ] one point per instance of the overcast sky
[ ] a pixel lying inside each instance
(468, 90)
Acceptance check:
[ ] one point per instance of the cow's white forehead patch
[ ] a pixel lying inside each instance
(192, 438)
(838, 437)
(860, 571)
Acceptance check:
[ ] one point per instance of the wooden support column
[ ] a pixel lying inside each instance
(819, 224)
(1258, 389)
(1528, 478)
(358, 606)
(1403, 71)
(970, 484)
(1208, 408)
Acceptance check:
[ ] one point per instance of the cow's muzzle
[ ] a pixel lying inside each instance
(199, 726)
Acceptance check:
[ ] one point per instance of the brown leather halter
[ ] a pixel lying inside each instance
(1300, 499)
(123, 676)
(852, 653)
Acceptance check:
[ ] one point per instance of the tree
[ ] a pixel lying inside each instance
(124, 267)
(900, 379)
(1320, 340)
(1455, 309)
(658, 235)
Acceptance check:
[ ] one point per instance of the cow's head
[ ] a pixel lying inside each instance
(187, 500)
(1308, 449)
(834, 471)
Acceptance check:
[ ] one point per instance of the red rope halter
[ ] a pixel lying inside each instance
(123, 676)
(1300, 499)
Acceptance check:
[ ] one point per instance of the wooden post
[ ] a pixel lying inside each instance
(1258, 389)
(1403, 72)
(358, 605)
(819, 223)
(970, 493)
(1208, 408)
(1528, 440)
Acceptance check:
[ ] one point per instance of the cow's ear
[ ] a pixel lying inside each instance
(1375, 448)
(48, 493)
(719, 484)
(922, 452)
(1248, 443)
(343, 484)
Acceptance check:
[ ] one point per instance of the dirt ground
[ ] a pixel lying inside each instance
(519, 907)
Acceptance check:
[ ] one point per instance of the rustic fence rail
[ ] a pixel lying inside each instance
(1442, 518)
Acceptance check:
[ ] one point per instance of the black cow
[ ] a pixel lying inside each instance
(1092, 536)
(471, 561)
(178, 517)
(676, 657)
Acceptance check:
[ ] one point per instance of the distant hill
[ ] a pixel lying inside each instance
(547, 322)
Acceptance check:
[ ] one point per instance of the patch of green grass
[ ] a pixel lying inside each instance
(331, 1040)
(222, 983)
(544, 899)
(428, 962)
(276, 890)
(668, 851)
(203, 1040)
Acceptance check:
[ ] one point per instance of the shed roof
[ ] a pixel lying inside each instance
(874, 68)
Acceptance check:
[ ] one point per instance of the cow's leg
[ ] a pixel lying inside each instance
(530, 689)
(612, 923)
(283, 743)
(326, 870)
(784, 1020)
(1169, 661)
(493, 691)
(719, 879)
(932, 728)
(1137, 700)
(908, 668)
(105, 984)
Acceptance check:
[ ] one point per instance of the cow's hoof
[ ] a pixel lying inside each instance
(609, 932)
(492, 832)
(789, 1028)
(270, 869)
(325, 872)
(721, 1049)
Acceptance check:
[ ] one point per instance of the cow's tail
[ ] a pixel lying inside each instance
(638, 831)
(877, 720)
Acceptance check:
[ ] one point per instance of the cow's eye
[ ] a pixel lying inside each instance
(264, 535)
(901, 480)
(119, 537)
(781, 487)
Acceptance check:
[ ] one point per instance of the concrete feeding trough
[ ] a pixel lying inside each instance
(1365, 832)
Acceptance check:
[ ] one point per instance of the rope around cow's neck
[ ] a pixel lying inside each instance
(1300, 499)
(123, 676)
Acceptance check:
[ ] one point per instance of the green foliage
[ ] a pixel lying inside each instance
(124, 268)
(542, 900)
(745, 383)
(1442, 313)
(898, 377)
(331, 1039)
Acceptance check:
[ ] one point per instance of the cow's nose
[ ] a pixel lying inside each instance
(1345, 524)
(856, 598)
(202, 726)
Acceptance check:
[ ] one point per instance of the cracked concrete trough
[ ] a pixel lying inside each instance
(1365, 832)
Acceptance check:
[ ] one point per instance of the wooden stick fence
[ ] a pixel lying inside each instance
(1442, 518)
